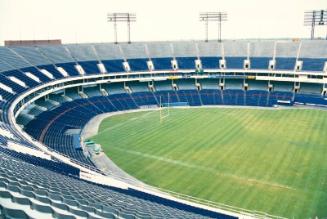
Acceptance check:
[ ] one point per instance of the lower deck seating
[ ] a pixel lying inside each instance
(55, 166)
(7, 134)
(50, 126)
(310, 99)
(59, 195)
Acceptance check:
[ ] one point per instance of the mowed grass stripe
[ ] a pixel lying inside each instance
(316, 178)
(265, 160)
(168, 146)
(246, 196)
(150, 136)
(233, 135)
(165, 148)
(188, 152)
(206, 156)
(281, 157)
(168, 155)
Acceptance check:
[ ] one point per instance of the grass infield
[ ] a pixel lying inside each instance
(273, 161)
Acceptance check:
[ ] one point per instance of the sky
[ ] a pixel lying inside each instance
(82, 21)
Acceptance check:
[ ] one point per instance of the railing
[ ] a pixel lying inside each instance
(242, 211)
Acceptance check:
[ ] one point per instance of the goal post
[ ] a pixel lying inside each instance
(164, 108)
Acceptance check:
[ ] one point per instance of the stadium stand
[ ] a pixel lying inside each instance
(43, 93)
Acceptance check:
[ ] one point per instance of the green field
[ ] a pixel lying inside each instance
(273, 161)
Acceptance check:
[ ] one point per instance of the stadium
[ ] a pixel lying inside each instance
(164, 129)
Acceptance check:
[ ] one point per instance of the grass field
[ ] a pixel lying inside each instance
(273, 161)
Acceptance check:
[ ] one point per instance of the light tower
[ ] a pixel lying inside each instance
(121, 17)
(218, 17)
(315, 18)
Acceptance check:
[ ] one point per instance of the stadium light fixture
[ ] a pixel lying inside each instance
(122, 17)
(218, 17)
(315, 18)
